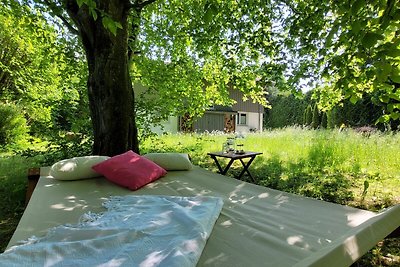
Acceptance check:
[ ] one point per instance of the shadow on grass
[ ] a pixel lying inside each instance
(302, 179)
(12, 194)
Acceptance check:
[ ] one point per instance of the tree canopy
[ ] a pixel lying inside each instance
(189, 52)
(343, 50)
(353, 48)
(41, 72)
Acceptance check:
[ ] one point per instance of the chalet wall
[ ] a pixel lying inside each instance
(170, 126)
(247, 106)
(210, 122)
(254, 122)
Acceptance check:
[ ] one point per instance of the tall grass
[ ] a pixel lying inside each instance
(340, 166)
(13, 173)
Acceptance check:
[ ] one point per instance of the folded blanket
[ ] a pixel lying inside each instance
(134, 231)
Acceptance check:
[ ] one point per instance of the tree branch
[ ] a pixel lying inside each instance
(56, 10)
(139, 5)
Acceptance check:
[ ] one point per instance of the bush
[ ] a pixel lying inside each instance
(13, 126)
(308, 116)
(324, 120)
(315, 117)
(67, 146)
(286, 110)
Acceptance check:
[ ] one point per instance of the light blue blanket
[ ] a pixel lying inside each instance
(140, 231)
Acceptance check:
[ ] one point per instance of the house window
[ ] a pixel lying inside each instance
(241, 119)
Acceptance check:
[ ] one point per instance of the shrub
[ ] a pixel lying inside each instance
(308, 116)
(315, 117)
(324, 121)
(13, 127)
(330, 119)
(285, 111)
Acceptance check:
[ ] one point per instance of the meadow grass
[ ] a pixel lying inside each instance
(13, 182)
(344, 167)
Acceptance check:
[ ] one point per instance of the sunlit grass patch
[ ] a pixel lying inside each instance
(331, 165)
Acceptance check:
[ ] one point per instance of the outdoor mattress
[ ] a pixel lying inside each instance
(257, 226)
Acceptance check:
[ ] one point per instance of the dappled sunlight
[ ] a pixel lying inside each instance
(113, 263)
(220, 258)
(263, 195)
(153, 259)
(71, 203)
(134, 230)
(323, 241)
(297, 241)
(192, 204)
(235, 197)
(53, 259)
(282, 199)
(61, 206)
(255, 221)
(226, 223)
(152, 185)
(356, 218)
(190, 246)
(352, 248)
(67, 166)
(204, 192)
(163, 219)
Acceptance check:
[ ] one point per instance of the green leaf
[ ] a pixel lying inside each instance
(383, 119)
(396, 15)
(384, 98)
(370, 39)
(93, 12)
(354, 98)
(395, 116)
(118, 25)
(356, 27)
(356, 6)
(395, 96)
(383, 70)
(80, 2)
(395, 78)
(366, 186)
(394, 52)
(210, 12)
(334, 30)
(111, 25)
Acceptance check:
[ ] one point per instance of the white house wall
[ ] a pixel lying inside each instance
(254, 121)
(170, 126)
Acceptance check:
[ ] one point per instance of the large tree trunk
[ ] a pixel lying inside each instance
(111, 96)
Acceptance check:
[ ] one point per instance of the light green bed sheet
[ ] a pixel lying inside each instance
(258, 226)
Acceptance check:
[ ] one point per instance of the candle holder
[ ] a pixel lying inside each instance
(239, 148)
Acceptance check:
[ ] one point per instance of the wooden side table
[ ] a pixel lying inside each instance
(233, 156)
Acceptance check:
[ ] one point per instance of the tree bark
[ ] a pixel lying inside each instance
(111, 96)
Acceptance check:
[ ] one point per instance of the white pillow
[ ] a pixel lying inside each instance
(76, 168)
(171, 161)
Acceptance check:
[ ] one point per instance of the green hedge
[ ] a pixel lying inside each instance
(13, 125)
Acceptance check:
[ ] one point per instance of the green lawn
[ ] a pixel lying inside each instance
(342, 167)
(330, 165)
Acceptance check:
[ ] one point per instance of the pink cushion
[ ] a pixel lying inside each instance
(130, 170)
